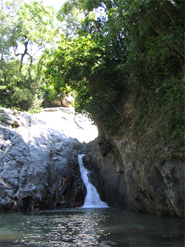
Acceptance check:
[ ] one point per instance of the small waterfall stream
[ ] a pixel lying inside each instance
(92, 199)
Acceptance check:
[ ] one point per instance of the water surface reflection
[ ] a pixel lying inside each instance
(90, 227)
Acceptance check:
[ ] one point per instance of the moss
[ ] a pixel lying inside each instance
(15, 125)
(3, 118)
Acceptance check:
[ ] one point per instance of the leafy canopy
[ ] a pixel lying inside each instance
(102, 52)
(138, 47)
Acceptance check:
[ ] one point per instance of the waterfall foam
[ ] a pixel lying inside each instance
(92, 199)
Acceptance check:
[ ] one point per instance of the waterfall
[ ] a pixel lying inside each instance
(92, 199)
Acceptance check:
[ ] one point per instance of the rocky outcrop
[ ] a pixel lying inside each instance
(67, 101)
(140, 173)
(34, 156)
(144, 175)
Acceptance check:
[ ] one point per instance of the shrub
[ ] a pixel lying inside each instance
(23, 99)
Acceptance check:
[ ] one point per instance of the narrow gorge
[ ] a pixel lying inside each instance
(37, 149)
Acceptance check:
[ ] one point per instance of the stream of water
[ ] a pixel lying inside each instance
(92, 199)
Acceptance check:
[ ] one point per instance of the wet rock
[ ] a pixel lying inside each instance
(107, 244)
(33, 158)
(167, 236)
(145, 176)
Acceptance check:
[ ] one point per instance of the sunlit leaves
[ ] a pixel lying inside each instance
(74, 59)
(36, 22)
(28, 28)
(70, 17)
(132, 45)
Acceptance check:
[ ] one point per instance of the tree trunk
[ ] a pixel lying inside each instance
(2, 39)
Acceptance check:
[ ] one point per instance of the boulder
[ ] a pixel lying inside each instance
(67, 101)
(33, 158)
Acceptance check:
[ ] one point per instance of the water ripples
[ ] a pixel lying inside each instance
(65, 229)
(88, 228)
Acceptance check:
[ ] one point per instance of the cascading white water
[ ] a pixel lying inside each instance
(92, 199)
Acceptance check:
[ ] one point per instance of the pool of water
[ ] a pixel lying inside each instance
(90, 227)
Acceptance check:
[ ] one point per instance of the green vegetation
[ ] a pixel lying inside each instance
(25, 30)
(106, 51)
(2, 116)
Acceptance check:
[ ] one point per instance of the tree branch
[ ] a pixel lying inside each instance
(103, 93)
(169, 43)
(173, 22)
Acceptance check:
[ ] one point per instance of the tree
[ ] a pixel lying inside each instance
(138, 46)
(155, 62)
(2, 32)
(81, 64)
(70, 17)
(34, 28)
(27, 26)
(8, 14)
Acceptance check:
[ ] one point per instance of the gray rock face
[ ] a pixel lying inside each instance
(145, 176)
(35, 151)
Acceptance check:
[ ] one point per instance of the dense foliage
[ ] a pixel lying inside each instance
(106, 51)
(23, 27)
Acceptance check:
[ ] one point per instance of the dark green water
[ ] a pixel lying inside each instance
(90, 227)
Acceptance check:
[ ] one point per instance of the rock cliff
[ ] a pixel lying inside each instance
(138, 170)
(135, 172)
(35, 151)
(144, 174)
